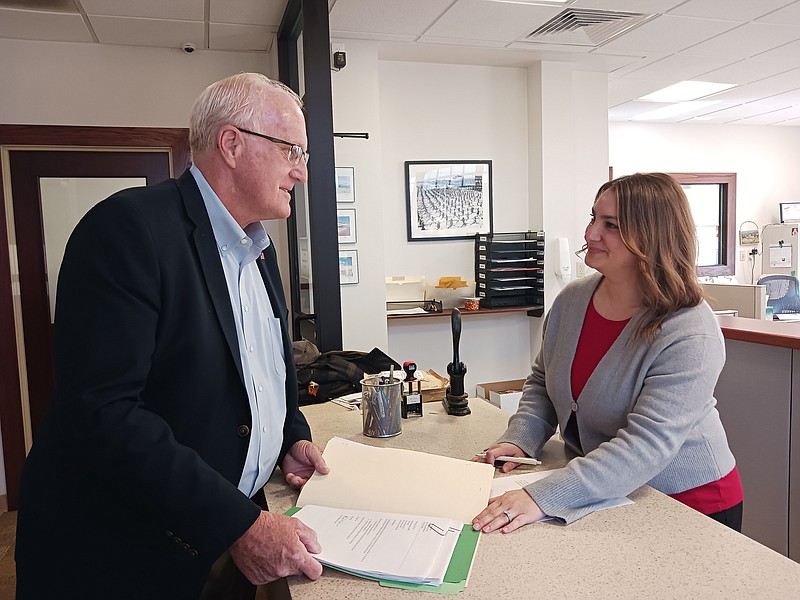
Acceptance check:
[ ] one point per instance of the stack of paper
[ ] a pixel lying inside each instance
(399, 516)
(383, 545)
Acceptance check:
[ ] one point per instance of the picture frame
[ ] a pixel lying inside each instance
(345, 184)
(348, 267)
(790, 212)
(346, 225)
(748, 237)
(448, 199)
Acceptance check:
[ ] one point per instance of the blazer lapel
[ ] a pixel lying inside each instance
(207, 251)
(269, 273)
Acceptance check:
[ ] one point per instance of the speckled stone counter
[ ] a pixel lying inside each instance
(655, 549)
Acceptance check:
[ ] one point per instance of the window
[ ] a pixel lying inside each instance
(712, 198)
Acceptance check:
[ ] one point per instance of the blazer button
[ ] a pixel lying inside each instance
(193, 553)
(243, 431)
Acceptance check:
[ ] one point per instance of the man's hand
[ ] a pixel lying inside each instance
(276, 546)
(301, 461)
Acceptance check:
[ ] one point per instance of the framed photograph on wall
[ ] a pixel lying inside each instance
(346, 225)
(345, 184)
(448, 199)
(348, 267)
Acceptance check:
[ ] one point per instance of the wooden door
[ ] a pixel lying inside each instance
(25, 303)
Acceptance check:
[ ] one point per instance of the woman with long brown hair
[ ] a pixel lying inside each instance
(629, 360)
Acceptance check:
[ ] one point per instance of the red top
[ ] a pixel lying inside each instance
(597, 336)
(713, 497)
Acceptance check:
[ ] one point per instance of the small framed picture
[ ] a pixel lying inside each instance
(345, 184)
(346, 225)
(348, 267)
(748, 237)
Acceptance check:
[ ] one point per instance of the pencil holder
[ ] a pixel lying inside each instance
(381, 402)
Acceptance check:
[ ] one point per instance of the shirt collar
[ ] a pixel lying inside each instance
(230, 237)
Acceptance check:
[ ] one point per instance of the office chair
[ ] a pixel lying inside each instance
(783, 293)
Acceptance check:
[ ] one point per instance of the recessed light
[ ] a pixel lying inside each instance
(687, 90)
(673, 110)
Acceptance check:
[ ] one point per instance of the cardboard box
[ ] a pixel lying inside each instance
(503, 394)
(449, 297)
(434, 386)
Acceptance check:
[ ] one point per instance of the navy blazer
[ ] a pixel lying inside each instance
(130, 489)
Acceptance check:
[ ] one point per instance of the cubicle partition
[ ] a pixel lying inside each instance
(758, 398)
(747, 300)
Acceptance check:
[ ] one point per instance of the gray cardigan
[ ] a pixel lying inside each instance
(646, 414)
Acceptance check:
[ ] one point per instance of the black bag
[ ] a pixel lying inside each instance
(339, 372)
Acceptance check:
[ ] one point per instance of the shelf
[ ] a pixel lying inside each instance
(533, 311)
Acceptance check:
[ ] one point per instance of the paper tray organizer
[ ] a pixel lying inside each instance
(509, 269)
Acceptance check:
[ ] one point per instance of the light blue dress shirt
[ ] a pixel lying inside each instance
(259, 334)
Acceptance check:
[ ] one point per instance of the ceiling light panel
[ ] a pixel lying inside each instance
(686, 90)
(674, 110)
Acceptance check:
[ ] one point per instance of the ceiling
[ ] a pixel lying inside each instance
(754, 44)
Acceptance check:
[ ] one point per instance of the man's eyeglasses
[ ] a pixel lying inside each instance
(296, 153)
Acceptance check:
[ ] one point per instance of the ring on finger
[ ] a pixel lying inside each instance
(508, 516)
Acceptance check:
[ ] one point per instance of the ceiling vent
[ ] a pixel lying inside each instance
(586, 27)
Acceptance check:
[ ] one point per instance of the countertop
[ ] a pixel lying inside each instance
(655, 548)
(785, 334)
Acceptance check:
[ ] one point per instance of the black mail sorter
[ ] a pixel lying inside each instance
(509, 269)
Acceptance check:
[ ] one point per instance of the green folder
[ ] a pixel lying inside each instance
(455, 579)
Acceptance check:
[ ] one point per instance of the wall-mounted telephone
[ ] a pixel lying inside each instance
(563, 262)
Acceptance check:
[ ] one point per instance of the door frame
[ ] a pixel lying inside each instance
(50, 137)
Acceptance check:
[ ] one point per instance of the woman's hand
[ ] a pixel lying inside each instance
(501, 449)
(508, 512)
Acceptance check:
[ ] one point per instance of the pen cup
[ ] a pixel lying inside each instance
(381, 403)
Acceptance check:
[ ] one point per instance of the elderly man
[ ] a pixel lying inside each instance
(176, 392)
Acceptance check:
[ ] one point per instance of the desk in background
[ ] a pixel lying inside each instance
(656, 548)
(758, 398)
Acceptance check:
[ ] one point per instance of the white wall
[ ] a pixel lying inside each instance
(356, 109)
(89, 84)
(545, 131)
(455, 112)
(765, 160)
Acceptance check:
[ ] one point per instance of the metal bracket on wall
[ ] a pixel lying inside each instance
(364, 136)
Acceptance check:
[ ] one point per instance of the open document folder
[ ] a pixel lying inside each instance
(411, 508)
